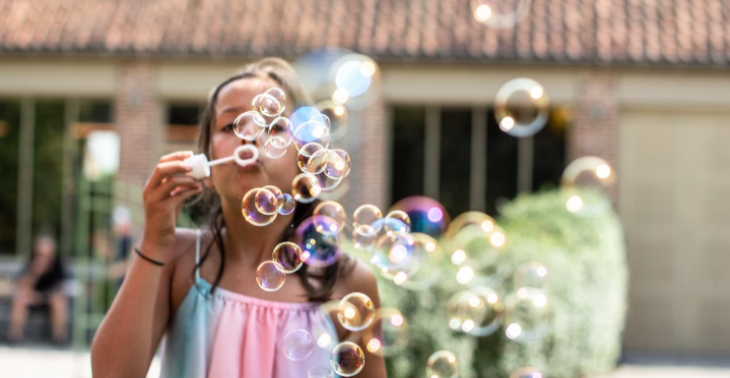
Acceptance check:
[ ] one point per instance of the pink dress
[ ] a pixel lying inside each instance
(224, 334)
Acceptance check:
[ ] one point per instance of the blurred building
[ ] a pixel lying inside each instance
(643, 84)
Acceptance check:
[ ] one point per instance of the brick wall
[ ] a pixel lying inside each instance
(595, 131)
(138, 119)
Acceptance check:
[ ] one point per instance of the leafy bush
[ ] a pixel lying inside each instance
(585, 257)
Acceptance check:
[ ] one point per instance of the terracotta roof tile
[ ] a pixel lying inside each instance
(692, 32)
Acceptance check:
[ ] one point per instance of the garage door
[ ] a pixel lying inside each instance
(674, 172)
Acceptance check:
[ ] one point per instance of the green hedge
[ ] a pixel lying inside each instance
(587, 279)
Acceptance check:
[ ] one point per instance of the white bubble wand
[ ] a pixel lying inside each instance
(201, 165)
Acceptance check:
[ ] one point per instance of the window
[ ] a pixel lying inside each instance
(408, 152)
(9, 148)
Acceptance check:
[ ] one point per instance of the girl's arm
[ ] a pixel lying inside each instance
(127, 339)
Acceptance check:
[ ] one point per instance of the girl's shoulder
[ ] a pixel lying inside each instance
(358, 277)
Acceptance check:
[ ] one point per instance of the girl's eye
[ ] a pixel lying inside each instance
(228, 127)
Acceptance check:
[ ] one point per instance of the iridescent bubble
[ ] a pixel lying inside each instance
(465, 310)
(251, 212)
(249, 125)
(388, 334)
(272, 151)
(499, 14)
(347, 359)
(483, 250)
(297, 344)
(289, 257)
(364, 237)
(318, 249)
(327, 183)
(427, 215)
(468, 219)
(442, 364)
(532, 274)
(280, 132)
(356, 311)
(526, 372)
(305, 188)
(320, 372)
(311, 132)
(401, 216)
(526, 316)
(277, 193)
(337, 164)
(336, 212)
(304, 158)
(356, 80)
(338, 116)
(288, 204)
(521, 107)
(366, 214)
(425, 269)
(323, 119)
(273, 102)
(588, 186)
(269, 276)
(266, 202)
(480, 313)
(393, 253)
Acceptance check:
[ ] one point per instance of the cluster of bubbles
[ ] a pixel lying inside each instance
(260, 206)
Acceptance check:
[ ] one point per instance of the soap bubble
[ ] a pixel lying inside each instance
(526, 372)
(311, 132)
(393, 252)
(364, 237)
(486, 251)
(272, 151)
(347, 359)
(478, 311)
(280, 132)
(588, 185)
(427, 215)
(401, 216)
(272, 102)
(531, 274)
(356, 311)
(251, 212)
(249, 125)
(338, 116)
(297, 344)
(334, 211)
(305, 188)
(356, 80)
(288, 204)
(337, 164)
(266, 202)
(387, 334)
(425, 268)
(305, 154)
(442, 364)
(468, 219)
(289, 257)
(323, 119)
(327, 183)
(521, 107)
(269, 276)
(526, 316)
(500, 14)
(320, 372)
(366, 214)
(319, 249)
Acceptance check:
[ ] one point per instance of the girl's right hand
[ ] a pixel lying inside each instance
(164, 194)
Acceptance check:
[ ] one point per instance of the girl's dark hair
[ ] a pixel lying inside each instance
(318, 284)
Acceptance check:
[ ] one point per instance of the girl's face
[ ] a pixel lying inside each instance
(230, 180)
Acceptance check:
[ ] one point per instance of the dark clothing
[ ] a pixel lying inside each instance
(51, 278)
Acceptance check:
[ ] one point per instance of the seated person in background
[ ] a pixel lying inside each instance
(41, 284)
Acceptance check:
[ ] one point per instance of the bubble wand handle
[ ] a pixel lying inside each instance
(201, 165)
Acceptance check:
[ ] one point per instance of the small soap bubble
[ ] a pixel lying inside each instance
(526, 315)
(305, 154)
(334, 211)
(442, 364)
(366, 214)
(266, 202)
(527, 372)
(394, 253)
(427, 215)
(273, 102)
(356, 80)
(364, 237)
(251, 212)
(338, 116)
(280, 132)
(320, 372)
(522, 107)
(272, 151)
(356, 311)
(470, 219)
(347, 359)
(388, 334)
(424, 269)
(311, 132)
(249, 125)
(318, 249)
(337, 164)
(401, 216)
(305, 188)
(327, 183)
(269, 276)
(277, 193)
(288, 204)
(323, 119)
(297, 344)
(498, 14)
(532, 274)
(588, 186)
(289, 257)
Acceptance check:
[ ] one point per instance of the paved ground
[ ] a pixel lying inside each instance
(30, 362)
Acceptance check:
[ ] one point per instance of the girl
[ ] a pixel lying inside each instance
(204, 300)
